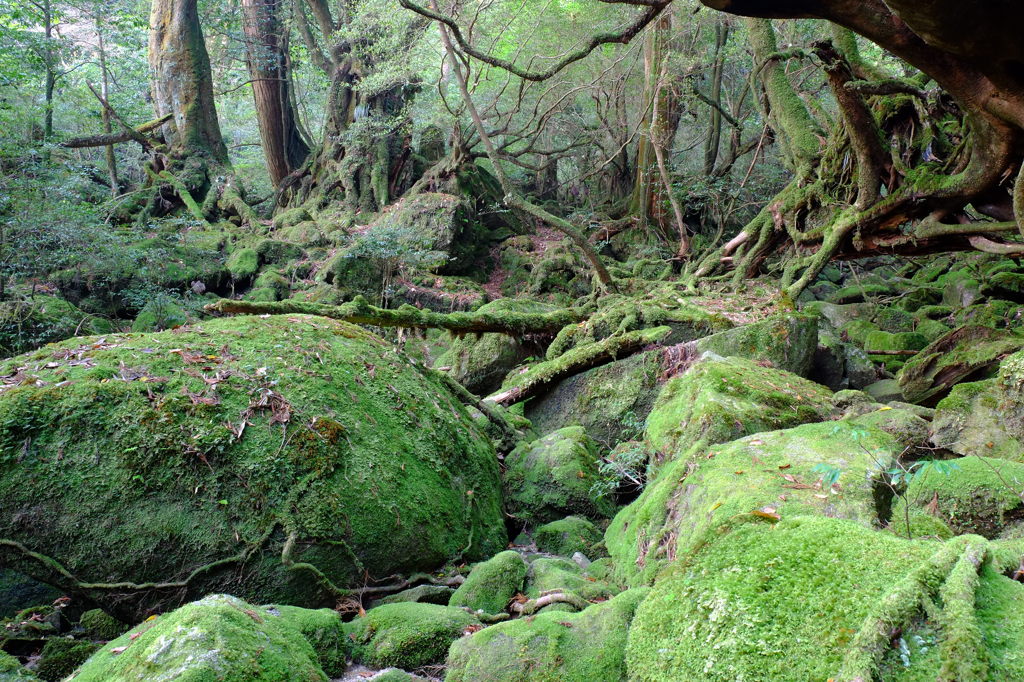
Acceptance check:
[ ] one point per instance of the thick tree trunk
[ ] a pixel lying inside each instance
(650, 197)
(266, 43)
(182, 82)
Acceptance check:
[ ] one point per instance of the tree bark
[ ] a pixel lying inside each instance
(266, 44)
(182, 83)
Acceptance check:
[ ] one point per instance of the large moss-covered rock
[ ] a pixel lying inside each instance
(279, 456)
(551, 647)
(553, 476)
(764, 602)
(785, 342)
(408, 635)
(764, 476)
(216, 638)
(567, 536)
(610, 401)
(480, 363)
(12, 671)
(985, 417)
(550, 575)
(492, 583)
(442, 223)
(970, 351)
(62, 656)
(720, 399)
(977, 495)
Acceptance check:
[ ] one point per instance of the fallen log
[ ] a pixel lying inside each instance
(539, 377)
(358, 311)
(114, 138)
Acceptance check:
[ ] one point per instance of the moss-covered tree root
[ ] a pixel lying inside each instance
(358, 311)
(546, 374)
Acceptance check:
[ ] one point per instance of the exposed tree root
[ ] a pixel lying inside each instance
(541, 376)
(546, 599)
(358, 311)
(897, 607)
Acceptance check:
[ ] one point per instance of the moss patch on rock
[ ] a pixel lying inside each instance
(720, 399)
(767, 602)
(491, 584)
(303, 451)
(99, 625)
(567, 536)
(62, 656)
(981, 495)
(407, 635)
(554, 476)
(218, 637)
(551, 647)
(766, 476)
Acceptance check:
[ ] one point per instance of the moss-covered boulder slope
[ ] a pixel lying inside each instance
(281, 459)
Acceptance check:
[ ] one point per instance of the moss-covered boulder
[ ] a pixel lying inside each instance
(909, 429)
(551, 647)
(610, 401)
(61, 656)
(325, 632)
(787, 342)
(720, 399)
(286, 457)
(977, 495)
(243, 264)
(782, 602)
(830, 468)
(966, 352)
(553, 476)
(551, 575)
(567, 536)
(491, 584)
(101, 626)
(33, 321)
(13, 671)
(480, 363)
(407, 635)
(216, 638)
(985, 417)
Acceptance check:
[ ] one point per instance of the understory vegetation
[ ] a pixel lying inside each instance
(574, 341)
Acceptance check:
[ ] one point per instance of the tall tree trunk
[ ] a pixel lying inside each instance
(661, 119)
(105, 92)
(49, 58)
(182, 82)
(266, 46)
(715, 132)
(797, 131)
(652, 190)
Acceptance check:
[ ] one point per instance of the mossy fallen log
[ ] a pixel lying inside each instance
(539, 377)
(358, 311)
